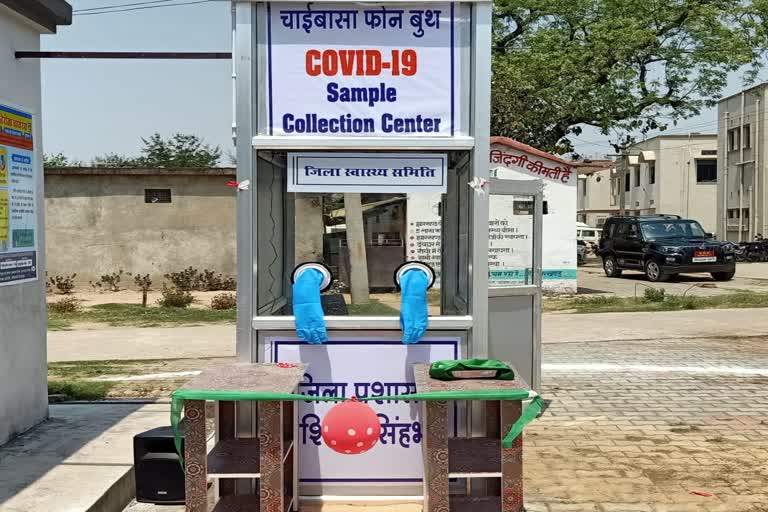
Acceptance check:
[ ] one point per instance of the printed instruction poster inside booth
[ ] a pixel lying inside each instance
(18, 211)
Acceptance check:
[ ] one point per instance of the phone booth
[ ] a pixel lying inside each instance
(343, 112)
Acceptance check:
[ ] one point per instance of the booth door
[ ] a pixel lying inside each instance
(514, 275)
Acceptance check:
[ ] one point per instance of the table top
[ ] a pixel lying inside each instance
(425, 383)
(257, 377)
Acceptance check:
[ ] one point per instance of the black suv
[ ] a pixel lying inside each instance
(663, 246)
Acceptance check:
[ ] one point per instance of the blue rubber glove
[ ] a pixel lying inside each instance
(413, 305)
(307, 309)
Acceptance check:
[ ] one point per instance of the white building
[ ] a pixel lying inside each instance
(23, 365)
(742, 192)
(671, 174)
(597, 193)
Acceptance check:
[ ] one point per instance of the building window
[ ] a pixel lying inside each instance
(637, 177)
(746, 136)
(652, 202)
(600, 222)
(637, 204)
(706, 171)
(651, 173)
(733, 213)
(733, 139)
(627, 183)
(157, 195)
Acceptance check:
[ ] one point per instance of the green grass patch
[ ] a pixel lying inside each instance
(79, 389)
(90, 369)
(658, 302)
(134, 315)
(373, 308)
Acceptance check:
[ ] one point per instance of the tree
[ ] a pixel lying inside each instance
(623, 66)
(57, 160)
(115, 160)
(358, 260)
(178, 151)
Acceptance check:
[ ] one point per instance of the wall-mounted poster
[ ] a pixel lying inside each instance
(18, 209)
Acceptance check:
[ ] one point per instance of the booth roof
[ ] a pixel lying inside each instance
(511, 143)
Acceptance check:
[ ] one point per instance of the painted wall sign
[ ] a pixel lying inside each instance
(335, 369)
(367, 172)
(18, 209)
(364, 70)
(512, 158)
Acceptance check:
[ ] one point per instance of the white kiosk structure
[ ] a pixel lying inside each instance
(372, 98)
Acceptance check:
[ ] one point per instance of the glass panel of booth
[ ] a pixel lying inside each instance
(293, 228)
(511, 240)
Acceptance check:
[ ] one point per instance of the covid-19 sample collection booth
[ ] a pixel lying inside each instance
(345, 113)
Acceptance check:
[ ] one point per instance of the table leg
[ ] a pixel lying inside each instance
(511, 461)
(271, 494)
(195, 456)
(435, 446)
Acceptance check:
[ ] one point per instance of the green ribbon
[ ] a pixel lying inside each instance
(529, 414)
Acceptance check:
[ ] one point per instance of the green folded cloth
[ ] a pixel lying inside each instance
(471, 368)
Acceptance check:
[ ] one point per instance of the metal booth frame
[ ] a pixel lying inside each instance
(249, 63)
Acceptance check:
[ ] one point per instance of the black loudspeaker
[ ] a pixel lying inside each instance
(159, 477)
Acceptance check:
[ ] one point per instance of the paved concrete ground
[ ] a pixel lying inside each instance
(636, 426)
(653, 422)
(218, 340)
(723, 323)
(213, 340)
(67, 463)
(749, 276)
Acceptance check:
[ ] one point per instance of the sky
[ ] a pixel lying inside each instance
(93, 107)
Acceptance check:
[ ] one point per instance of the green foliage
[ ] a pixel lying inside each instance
(56, 160)
(224, 301)
(64, 284)
(187, 279)
(115, 160)
(178, 151)
(135, 315)
(372, 308)
(143, 283)
(175, 298)
(64, 306)
(110, 281)
(623, 66)
(654, 294)
(206, 280)
(79, 389)
(612, 303)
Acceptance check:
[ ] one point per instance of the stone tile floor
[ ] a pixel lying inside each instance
(636, 426)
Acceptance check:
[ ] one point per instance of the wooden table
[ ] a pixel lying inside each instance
(270, 458)
(473, 457)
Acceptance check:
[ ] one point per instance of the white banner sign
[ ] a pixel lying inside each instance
(363, 69)
(338, 368)
(367, 172)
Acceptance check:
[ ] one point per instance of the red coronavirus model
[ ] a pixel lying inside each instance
(351, 428)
